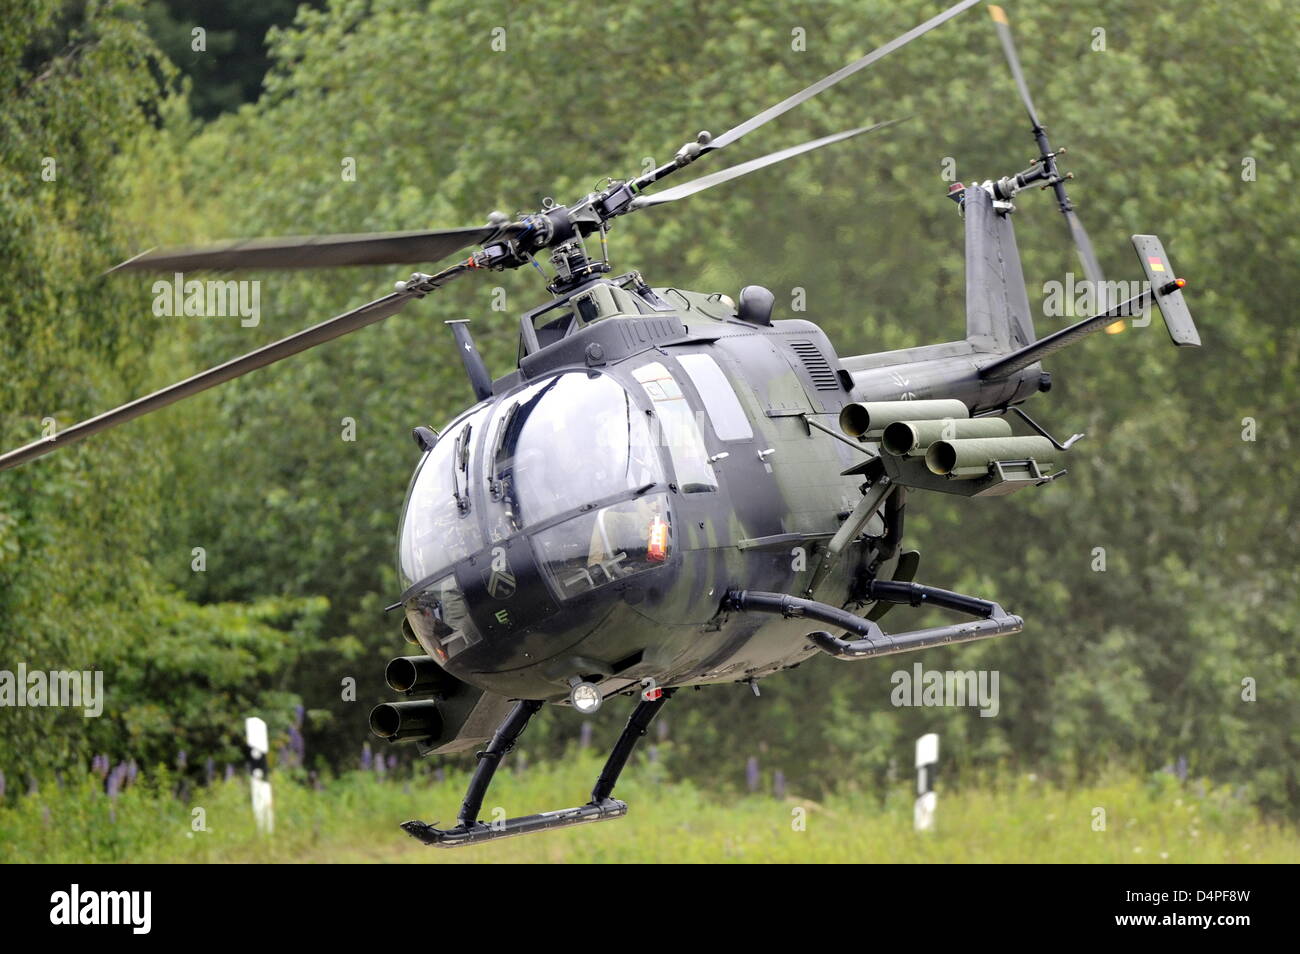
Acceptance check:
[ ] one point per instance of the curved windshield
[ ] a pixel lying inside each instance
(563, 443)
(439, 526)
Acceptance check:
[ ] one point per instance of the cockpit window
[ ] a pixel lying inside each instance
(438, 523)
(607, 545)
(677, 429)
(728, 417)
(564, 443)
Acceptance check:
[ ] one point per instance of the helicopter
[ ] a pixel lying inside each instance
(673, 488)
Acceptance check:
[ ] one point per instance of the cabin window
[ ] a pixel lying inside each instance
(728, 417)
(676, 428)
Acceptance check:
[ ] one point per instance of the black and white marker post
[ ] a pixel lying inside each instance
(259, 774)
(927, 766)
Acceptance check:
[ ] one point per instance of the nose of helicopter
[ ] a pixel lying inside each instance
(515, 517)
(495, 605)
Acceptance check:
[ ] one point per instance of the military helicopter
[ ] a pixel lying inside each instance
(672, 488)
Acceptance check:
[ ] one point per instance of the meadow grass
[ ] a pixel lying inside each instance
(354, 818)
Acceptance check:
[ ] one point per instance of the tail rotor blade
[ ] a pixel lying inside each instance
(744, 168)
(1091, 267)
(1092, 270)
(1003, 26)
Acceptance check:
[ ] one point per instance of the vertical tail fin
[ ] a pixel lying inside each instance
(997, 305)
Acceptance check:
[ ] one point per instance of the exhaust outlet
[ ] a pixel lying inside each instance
(406, 721)
(411, 674)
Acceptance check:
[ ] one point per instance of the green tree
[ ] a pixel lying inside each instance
(78, 590)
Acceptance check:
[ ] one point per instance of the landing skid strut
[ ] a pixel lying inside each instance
(469, 830)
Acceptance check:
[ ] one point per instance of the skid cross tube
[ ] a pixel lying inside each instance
(993, 621)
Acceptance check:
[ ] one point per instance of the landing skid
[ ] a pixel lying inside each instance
(469, 830)
(992, 619)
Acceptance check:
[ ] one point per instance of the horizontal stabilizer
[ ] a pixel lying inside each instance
(1167, 291)
(1161, 287)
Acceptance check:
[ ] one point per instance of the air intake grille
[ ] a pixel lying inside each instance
(815, 363)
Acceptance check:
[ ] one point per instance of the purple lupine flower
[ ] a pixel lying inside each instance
(392, 762)
(132, 770)
(182, 760)
(778, 783)
(379, 765)
(115, 781)
(230, 771)
(209, 770)
(661, 729)
(366, 757)
(584, 736)
(751, 773)
(652, 754)
(1180, 768)
(2, 784)
(299, 713)
(297, 745)
(439, 775)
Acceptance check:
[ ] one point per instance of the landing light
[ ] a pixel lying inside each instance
(585, 698)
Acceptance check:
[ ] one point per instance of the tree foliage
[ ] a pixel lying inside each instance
(79, 583)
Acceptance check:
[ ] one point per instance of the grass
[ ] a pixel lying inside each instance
(354, 819)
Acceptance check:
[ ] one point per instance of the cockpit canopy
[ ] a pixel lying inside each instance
(572, 441)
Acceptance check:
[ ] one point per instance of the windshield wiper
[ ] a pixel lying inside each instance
(495, 484)
(460, 462)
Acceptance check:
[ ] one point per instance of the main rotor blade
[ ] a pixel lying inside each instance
(336, 327)
(1003, 26)
(735, 172)
(312, 251)
(772, 112)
